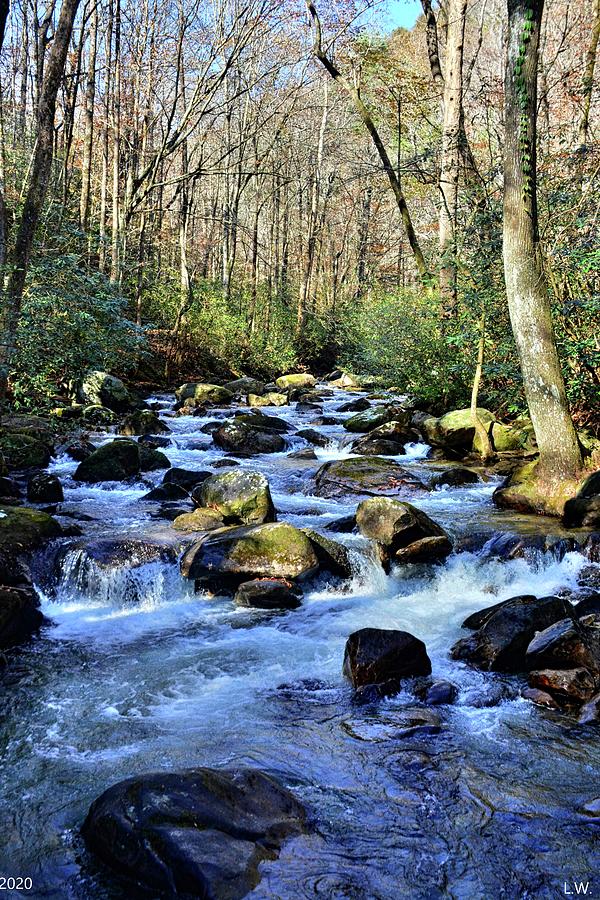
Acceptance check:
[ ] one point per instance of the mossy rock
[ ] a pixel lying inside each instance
(241, 498)
(141, 422)
(456, 429)
(203, 393)
(151, 460)
(23, 529)
(114, 461)
(68, 412)
(527, 492)
(101, 389)
(332, 556)
(240, 554)
(98, 415)
(24, 451)
(296, 380)
(272, 398)
(200, 519)
(34, 426)
(505, 438)
(245, 385)
(374, 418)
(365, 475)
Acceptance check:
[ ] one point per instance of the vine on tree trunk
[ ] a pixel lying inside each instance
(524, 142)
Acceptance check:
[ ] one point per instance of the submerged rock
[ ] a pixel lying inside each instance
(240, 497)
(376, 656)
(501, 643)
(197, 833)
(268, 593)
(45, 488)
(362, 475)
(241, 554)
(590, 711)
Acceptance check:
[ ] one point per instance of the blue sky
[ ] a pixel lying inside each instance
(403, 12)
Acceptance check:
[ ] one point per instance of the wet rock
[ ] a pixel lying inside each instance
(333, 557)
(166, 492)
(142, 422)
(171, 510)
(402, 531)
(99, 417)
(373, 475)
(185, 478)
(343, 525)
(268, 593)
(23, 451)
(584, 509)
(394, 724)
(313, 437)
(116, 553)
(197, 833)
(114, 461)
(20, 616)
(101, 389)
(236, 437)
(304, 406)
(261, 420)
(241, 554)
(297, 380)
(441, 693)
(202, 393)
(592, 807)
(10, 492)
(152, 460)
(23, 529)
(565, 685)
(391, 438)
(479, 618)
(240, 497)
(245, 385)
(454, 477)
(358, 405)
(78, 449)
(568, 643)
(307, 453)
(225, 464)
(200, 519)
(272, 398)
(590, 711)
(588, 605)
(378, 447)
(324, 420)
(155, 441)
(591, 548)
(540, 698)
(501, 643)
(375, 418)
(373, 656)
(44, 488)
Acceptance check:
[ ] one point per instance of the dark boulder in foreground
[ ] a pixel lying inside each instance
(567, 644)
(114, 461)
(197, 833)
(268, 593)
(377, 656)
(500, 644)
(20, 616)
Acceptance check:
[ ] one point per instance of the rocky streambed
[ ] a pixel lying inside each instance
(201, 622)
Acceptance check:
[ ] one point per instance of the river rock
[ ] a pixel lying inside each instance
(364, 475)
(584, 509)
(455, 429)
(540, 698)
(455, 476)
(240, 497)
(44, 488)
(23, 529)
(203, 393)
(272, 398)
(590, 711)
(375, 418)
(358, 405)
(245, 385)
(199, 519)
(151, 460)
(142, 422)
(565, 685)
(166, 492)
(10, 492)
(101, 389)
(248, 440)
(441, 693)
(402, 531)
(375, 656)
(78, 449)
(197, 833)
(185, 478)
(114, 461)
(156, 441)
(258, 419)
(567, 644)
(479, 618)
(333, 557)
(306, 453)
(23, 451)
(99, 417)
(313, 437)
(268, 593)
(296, 380)
(501, 643)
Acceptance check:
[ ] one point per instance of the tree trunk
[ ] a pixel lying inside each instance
(526, 289)
(90, 95)
(587, 84)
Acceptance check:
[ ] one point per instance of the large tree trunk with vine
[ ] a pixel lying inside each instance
(587, 83)
(528, 301)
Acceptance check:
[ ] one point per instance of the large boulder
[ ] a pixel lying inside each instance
(504, 438)
(527, 492)
(313, 437)
(114, 461)
(500, 644)
(566, 686)
(402, 531)
(241, 498)
(297, 380)
(44, 488)
(377, 656)
(567, 644)
(262, 421)
(197, 833)
(583, 510)
(375, 418)
(151, 459)
(358, 405)
(185, 478)
(332, 557)
(247, 440)
(455, 429)
(101, 389)
(24, 451)
(364, 475)
(245, 385)
(203, 393)
(241, 554)
(141, 422)
(199, 520)
(20, 615)
(454, 476)
(268, 593)
(23, 529)
(272, 398)
(387, 440)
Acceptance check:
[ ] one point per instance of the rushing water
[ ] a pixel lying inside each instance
(137, 673)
